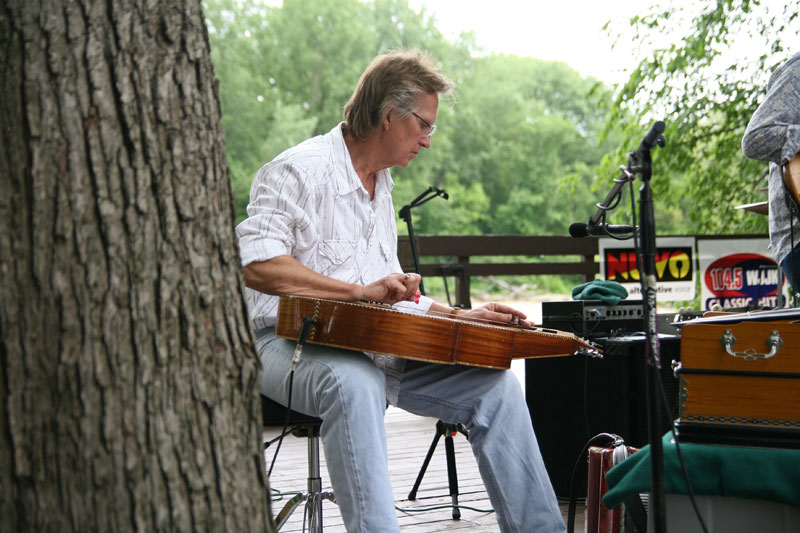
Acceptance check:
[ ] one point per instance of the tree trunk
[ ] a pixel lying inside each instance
(128, 393)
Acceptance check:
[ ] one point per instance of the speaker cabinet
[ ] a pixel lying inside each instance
(572, 399)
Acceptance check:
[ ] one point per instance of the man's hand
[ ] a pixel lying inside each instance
(392, 289)
(496, 312)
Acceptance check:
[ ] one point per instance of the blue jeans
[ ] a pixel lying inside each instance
(347, 392)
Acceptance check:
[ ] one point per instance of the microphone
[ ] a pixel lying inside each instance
(579, 229)
(653, 136)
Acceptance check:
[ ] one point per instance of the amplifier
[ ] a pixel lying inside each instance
(573, 398)
(594, 318)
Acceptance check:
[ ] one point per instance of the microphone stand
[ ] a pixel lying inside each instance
(640, 163)
(443, 429)
(405, 214)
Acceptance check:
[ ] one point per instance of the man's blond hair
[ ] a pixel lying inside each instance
(394, 80)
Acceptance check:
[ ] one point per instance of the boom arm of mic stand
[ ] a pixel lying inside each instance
(405, 214)
(625, 176)
(429, 194)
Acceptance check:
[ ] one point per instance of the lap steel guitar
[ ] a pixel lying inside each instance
(381, 329)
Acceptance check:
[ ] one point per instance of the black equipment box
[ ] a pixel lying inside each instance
(571, 399)
(594, 318)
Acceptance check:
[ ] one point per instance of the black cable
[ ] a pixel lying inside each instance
(301, 340)
(633, 218)
(586, 396)
(614, 205)
(581, 320)
(438, 507)
(684, 470)
(584, 334)
(665, 401)
(285, 424)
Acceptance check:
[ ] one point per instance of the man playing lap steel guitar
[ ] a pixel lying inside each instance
(773, 135)
(321, 223)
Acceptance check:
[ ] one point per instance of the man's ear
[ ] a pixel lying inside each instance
(387, 120)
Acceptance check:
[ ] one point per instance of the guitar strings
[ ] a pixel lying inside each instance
(587, 347)
(591, 346)
(449, 315)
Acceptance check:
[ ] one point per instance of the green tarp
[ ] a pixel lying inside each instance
(770, 474)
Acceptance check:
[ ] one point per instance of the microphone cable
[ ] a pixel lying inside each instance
(307, 323)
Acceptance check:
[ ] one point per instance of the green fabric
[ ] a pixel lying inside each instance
(610, 292)
(770, 474)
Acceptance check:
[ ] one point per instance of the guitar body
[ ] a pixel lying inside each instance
(382, 330)
(791, 178)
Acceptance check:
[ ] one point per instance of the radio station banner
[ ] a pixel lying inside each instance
(675, 267)
(737, 273)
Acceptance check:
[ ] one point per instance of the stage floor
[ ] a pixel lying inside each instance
(409, 438)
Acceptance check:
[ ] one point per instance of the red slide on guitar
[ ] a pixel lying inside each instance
(381, 329)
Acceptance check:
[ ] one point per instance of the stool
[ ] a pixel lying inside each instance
(300, 425)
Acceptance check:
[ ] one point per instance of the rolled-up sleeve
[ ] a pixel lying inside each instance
(773, 133)
(279, 218)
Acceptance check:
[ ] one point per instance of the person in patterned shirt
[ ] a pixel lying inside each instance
(773, 135)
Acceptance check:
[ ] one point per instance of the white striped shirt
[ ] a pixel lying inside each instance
(309, 203)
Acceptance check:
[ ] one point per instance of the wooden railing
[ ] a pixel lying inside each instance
(463, 249)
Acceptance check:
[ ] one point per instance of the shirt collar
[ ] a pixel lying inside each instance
(348, 181)
(383, 183)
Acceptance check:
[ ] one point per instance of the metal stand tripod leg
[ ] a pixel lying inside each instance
(446, 430)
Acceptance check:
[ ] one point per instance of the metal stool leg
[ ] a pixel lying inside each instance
(314, 505)
(314, 497)
(288, 509)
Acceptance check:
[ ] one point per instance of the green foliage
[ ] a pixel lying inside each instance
(525, 130)
(515, 149)
(523, 140)
(705, 86)
(466, 210)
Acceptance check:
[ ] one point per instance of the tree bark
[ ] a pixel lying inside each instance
(128, 377)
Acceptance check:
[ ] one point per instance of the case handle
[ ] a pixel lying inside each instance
(676, 368)
(774, 342)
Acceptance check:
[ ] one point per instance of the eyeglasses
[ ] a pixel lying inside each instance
(428, 129)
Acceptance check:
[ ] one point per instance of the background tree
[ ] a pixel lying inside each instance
(705, 71)
(523, 138)
(525, 130)
(515, 147)
(127, 372)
